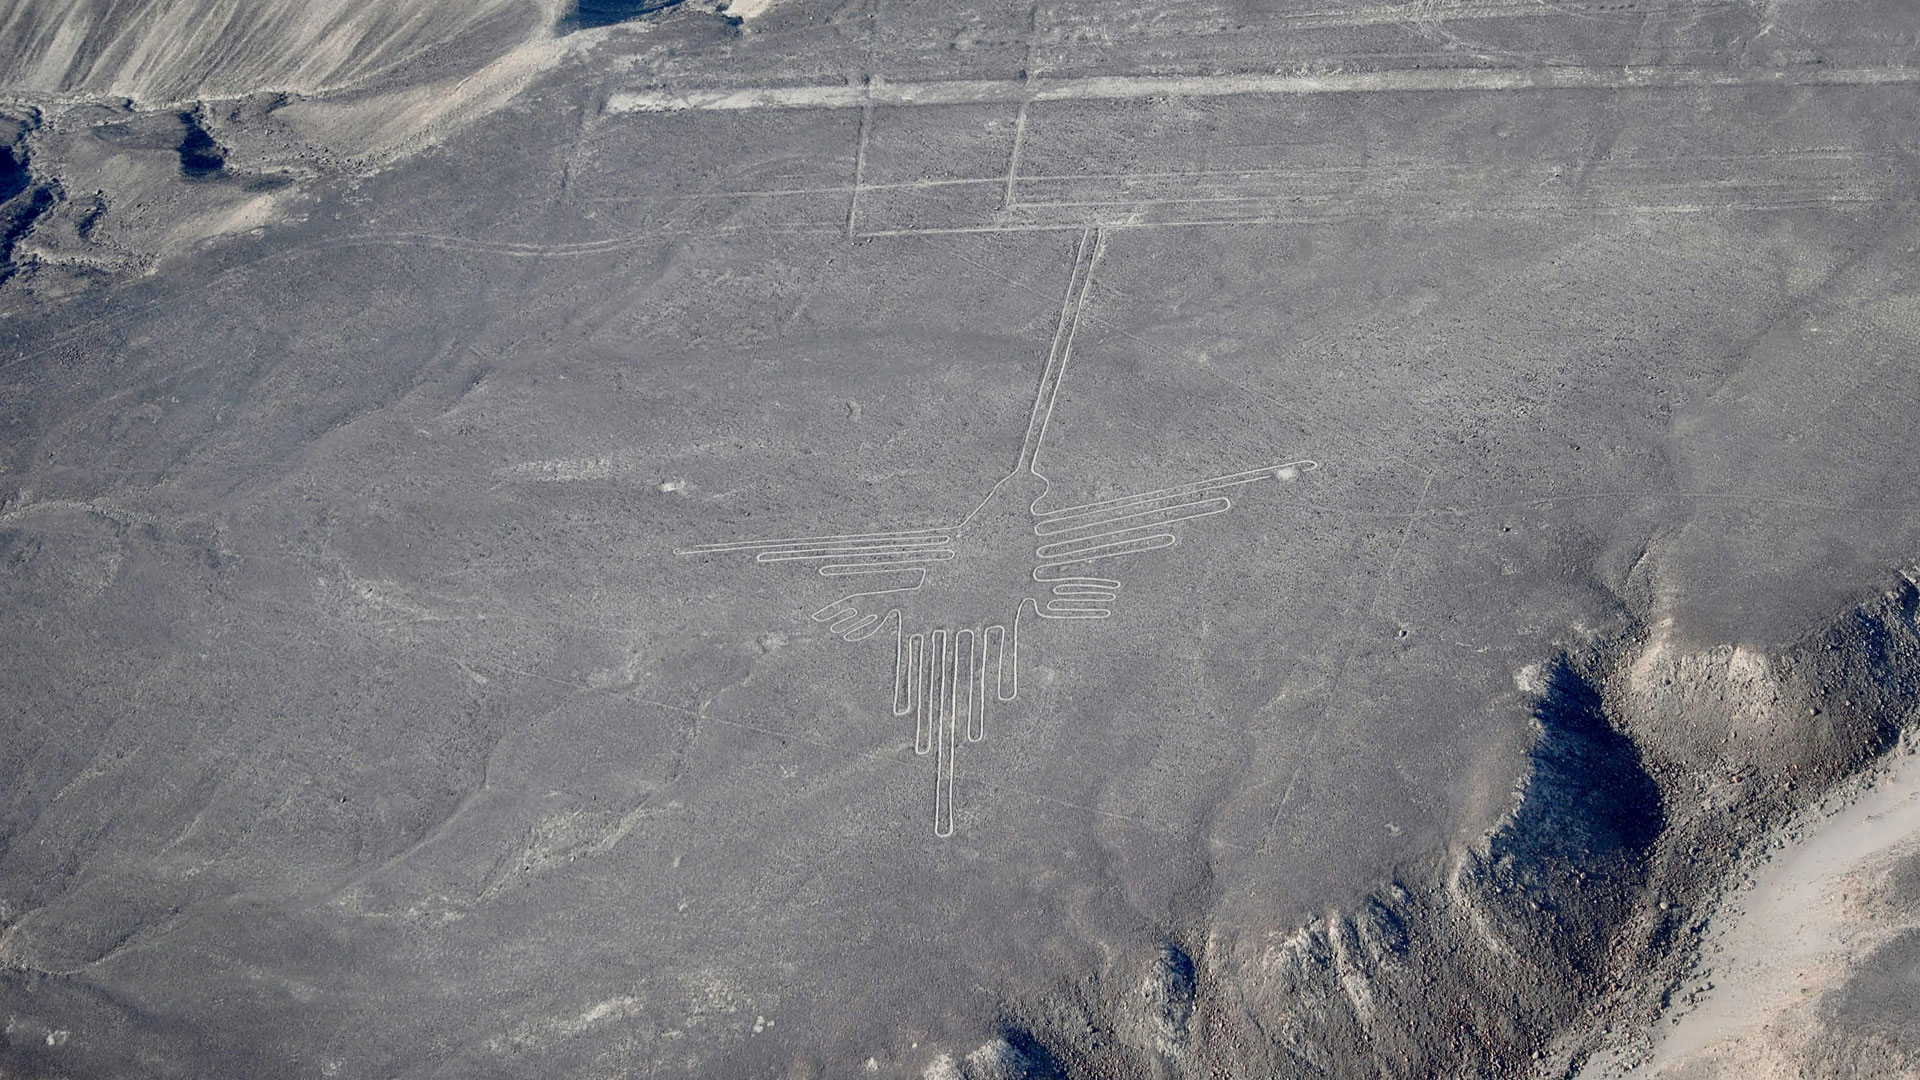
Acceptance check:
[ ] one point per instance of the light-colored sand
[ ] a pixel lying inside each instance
(1796, 931)
(747, 9)
(386, 126)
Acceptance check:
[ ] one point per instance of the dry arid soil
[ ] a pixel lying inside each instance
(959, 539)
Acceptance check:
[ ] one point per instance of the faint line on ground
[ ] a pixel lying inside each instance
(1145, 823)
(1079, 223)
(1346, 659)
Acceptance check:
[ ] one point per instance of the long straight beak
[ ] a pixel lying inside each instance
(1075, 301)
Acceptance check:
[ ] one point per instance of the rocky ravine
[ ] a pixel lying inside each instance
(1658, 774)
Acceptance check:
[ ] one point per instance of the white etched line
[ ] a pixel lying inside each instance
(975, 698)
(1121, 541)
(1081, 609)
(937, 651)
(1284, 471)
(831, 610)
(892, 566)
(1431, 14)
(1122, 223)
(977, 727)
(936, 685)
(1100, 547)
(966, 681)
(878, 544)
(905, 535)
(1113, 550)
(995, 640)
(1072, 306)
(1144, 518)
(1078, 581)
(1137, 513)
(922, 730)
(943, 723)
(1134, 87)
(1067, 584)
(955, 670)
(929, 551)
(860, 160)
(1013, 158)
(856, 547)
(1557, 193)
(902, 668)
(1208, 508)
(1397, 170)
(944, 761)
(1051, 388)
(1629, 168)
(1010, 659)
(867, 80)
(1028, 69)
(866, 187)
(949, 670)
(858, 634)
(909, 556)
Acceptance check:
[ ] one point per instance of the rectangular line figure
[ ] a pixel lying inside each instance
(966, 671)
(945, 730)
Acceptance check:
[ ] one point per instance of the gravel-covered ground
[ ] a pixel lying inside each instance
(958, 539)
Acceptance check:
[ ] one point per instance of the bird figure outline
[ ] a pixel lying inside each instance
(954, 598)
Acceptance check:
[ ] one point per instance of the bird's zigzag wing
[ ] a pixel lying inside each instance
(845, 553)
(1127, 525)
(904, 555)
(1074, 597)
(1282, 471)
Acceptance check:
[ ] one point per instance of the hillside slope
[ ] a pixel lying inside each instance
(160, 52)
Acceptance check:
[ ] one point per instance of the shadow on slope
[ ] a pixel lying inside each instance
(592, 14)
(1570, 919)
(201, 158)
(22, 201)
(1563, 868)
